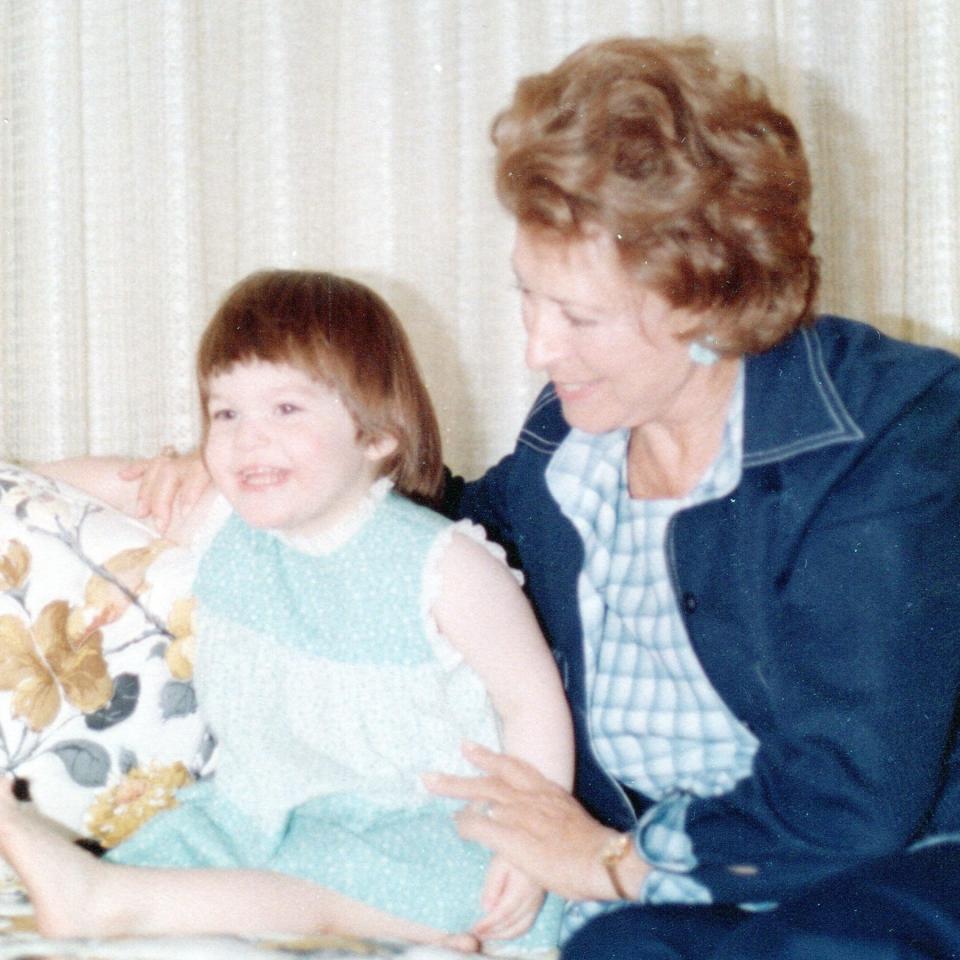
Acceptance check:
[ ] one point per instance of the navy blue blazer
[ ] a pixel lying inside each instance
(822, 597)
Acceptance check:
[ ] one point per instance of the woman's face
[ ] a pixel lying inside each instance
(608, 344)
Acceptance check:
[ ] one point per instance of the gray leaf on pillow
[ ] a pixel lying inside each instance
(127, 761)
(86, 762)
(126, 694)
(177, 699)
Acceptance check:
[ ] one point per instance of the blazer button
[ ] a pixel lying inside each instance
(689, 602)
(771, 480)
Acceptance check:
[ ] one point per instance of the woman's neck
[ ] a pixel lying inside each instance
(668, 456)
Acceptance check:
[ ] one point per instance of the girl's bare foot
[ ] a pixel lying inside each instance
(61, 879)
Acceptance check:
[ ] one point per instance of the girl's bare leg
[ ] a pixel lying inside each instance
(76, 895)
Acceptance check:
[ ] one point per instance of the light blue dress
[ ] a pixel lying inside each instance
(331, 691)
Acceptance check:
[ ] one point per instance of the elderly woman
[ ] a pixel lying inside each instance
(740, 527)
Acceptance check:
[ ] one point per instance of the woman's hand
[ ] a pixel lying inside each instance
(170, 485)
(537, 826)
(511, 900)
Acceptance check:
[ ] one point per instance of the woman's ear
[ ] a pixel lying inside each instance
(379, 448)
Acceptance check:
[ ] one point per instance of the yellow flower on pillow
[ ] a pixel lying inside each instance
(14, 566)
(106, 599)
(179, 655)
(42, 666)
(119, 811)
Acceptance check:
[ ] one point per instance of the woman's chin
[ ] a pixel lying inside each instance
(588, 421)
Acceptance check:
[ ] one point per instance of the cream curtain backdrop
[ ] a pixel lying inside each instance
(154, 151)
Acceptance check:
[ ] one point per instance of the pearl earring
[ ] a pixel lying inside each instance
(702, 352)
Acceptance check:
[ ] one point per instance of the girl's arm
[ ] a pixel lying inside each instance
(111, 480)
(100, 477)
(485, 615)
(483, 612)
(522, 808)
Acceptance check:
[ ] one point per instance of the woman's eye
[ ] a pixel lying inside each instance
(222, 415)
(287, 408)
(577, 321)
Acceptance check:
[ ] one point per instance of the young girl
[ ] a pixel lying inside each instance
(350, 641)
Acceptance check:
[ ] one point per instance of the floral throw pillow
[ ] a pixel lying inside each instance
(97, 709)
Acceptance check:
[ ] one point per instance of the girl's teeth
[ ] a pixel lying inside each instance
(261, 477)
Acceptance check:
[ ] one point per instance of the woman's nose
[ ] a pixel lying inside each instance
(544, 340)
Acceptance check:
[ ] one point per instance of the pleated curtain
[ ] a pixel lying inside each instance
(152, 152)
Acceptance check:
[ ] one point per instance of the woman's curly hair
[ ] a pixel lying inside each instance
(703, 183)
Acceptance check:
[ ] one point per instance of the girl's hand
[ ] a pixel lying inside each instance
(511, 901)
(537, 826)
(170, 485)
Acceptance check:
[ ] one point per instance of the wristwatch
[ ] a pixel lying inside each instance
(611, 856)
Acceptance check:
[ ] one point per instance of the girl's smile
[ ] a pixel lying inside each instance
(261, 477)
(282, 447)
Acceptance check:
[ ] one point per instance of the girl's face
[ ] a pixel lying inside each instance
(283, 449)
(608, 344)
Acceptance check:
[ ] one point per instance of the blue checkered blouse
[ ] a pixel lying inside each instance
(656, 722)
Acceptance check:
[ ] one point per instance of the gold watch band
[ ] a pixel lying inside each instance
(611, 857)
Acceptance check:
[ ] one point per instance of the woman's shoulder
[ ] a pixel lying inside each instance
(843, 340)
(844, 401)
(888, 383)
(842, 380)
